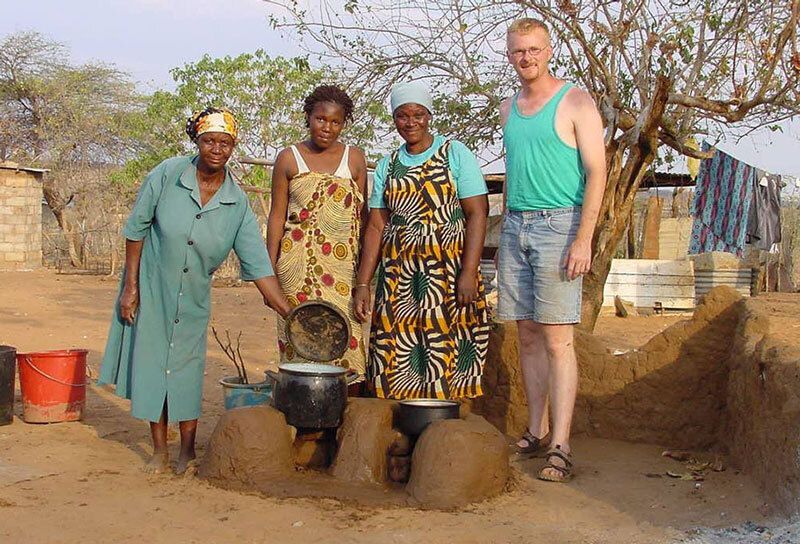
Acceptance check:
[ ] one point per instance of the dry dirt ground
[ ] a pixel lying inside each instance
(80, 482)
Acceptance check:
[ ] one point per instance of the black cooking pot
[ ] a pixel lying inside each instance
(311, 395)
(414, 415)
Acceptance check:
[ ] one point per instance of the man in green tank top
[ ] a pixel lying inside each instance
(555, 178)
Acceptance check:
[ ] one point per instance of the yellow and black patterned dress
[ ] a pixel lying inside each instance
(422, 343)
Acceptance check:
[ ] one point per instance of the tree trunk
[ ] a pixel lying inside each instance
(595, 280)
(71, 238)
(628, 158)
(58, 206)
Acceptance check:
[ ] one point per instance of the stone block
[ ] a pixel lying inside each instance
(14, 239)
(623, 308)
(18, 180)
(717, 260)
(10, 267)
(21, 229)
(14, 219)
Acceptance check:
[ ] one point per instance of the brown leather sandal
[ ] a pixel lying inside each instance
(564, 473)
(534, 446)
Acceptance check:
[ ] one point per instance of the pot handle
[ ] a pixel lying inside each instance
(352, 377)
(274, 376)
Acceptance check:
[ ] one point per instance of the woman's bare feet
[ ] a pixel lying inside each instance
(188, 431)
(158, 464)
(185, 461)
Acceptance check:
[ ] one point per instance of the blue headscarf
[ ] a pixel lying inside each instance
(412, 92)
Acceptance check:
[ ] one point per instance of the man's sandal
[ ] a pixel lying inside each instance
(564, 473)
(533, 445)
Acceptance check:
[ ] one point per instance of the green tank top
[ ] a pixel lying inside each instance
(542, 172)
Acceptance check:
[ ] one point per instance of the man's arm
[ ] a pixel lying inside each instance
(589, 139)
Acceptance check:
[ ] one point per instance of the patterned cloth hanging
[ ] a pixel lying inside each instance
(722, 198)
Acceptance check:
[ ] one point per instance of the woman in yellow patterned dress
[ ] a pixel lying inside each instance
(427, 223)
(314, 229)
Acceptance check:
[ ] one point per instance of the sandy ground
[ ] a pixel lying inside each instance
(78, 482)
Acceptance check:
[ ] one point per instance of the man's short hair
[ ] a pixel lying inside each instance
(526, 25)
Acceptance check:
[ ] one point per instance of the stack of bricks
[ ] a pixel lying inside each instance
(20, 218)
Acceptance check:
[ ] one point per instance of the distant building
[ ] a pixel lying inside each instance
(20, 217)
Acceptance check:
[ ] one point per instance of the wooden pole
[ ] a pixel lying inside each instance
(631, 253)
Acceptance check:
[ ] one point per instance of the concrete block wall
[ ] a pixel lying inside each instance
(20, 219)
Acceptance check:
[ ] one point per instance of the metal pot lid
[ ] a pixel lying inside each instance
(312, 369)
(429, 403)
(318, 331)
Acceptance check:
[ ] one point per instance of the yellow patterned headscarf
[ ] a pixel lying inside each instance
(212, 120)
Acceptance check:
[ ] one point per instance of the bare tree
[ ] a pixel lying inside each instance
(70, 119)
(661, 72)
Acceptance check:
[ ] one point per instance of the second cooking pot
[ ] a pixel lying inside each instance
(416, 414)
(311, 395)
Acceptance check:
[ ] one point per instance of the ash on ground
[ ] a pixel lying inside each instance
(747, 533)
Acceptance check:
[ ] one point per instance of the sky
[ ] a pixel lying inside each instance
(146, 38)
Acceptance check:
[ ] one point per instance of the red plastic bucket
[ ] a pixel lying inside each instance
(53, 385)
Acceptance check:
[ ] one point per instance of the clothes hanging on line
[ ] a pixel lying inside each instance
(721, 206)
(764, 219)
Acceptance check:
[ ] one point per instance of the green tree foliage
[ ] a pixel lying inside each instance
(56, 113)
(265, 93)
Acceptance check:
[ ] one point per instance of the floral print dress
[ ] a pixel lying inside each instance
(319, 250)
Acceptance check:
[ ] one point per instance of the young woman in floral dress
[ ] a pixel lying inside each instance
(318, 193)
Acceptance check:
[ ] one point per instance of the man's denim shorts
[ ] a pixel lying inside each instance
(532, 276)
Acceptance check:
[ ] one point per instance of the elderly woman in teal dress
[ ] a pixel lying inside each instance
(188, 215)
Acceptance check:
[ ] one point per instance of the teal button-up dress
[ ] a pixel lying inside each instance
(162, 355)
